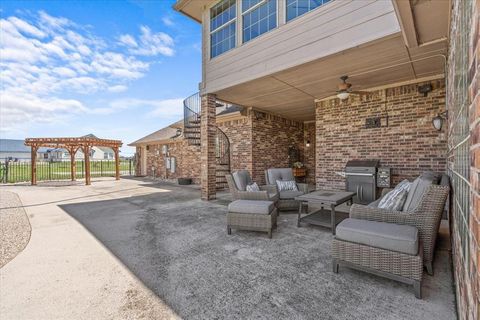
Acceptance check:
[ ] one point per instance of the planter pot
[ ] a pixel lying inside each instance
(299, 172)
(184, 181)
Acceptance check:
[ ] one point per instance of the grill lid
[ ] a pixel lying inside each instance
(369, 166)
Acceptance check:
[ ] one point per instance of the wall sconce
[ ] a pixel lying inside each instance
(437, 121)
(307, 144)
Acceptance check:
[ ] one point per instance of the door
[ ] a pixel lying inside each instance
(363, 186)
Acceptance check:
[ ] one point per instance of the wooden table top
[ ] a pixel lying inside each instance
(327, 196)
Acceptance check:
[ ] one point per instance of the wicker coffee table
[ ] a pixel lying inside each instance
(324, 198)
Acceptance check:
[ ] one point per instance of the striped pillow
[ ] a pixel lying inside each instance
(253, 187)
(287, 185)
(394, 200)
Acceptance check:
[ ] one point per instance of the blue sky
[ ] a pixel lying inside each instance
(117, 69)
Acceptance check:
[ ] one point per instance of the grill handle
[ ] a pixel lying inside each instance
(359, 174)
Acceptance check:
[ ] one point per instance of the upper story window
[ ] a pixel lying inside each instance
(259, 16)
(296, 8)
(222, 27)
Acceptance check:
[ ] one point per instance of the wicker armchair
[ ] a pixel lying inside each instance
(287, 198)
(268, 193)
(426, 218)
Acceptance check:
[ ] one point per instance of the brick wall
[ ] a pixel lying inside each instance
(187, 161)
(239, 133)
(464, 156)
(409, 144)
(271, 138)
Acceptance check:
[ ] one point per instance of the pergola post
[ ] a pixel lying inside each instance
(86, 153)
(73, 164)
(117, 164)
(33, 165)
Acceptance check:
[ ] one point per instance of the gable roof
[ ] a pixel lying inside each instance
(164, 134)
(16, 145)
(170, 132)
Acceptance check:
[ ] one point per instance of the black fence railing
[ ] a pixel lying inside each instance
(20, 171)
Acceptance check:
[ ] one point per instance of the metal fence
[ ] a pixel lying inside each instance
(20, 171)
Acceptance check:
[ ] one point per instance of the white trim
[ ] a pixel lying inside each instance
(253, 8)
(262, 2)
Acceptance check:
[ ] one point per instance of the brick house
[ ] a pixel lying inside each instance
(407, 62)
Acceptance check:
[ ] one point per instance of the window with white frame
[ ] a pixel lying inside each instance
(222, 27)
(296, 8)
(259, 16)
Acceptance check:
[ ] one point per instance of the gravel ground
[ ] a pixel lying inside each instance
(15, 228)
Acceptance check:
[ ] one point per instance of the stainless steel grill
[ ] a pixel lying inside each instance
(361, 178)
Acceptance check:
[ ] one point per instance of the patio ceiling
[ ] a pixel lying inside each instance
(292, 92)
(415, 53)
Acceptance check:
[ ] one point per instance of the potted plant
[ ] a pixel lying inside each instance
(299, 169)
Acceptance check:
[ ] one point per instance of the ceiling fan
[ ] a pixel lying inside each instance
(344, 89)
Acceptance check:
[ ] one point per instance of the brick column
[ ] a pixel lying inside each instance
(208, 132)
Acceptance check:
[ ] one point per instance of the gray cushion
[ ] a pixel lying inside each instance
(389, 236)
(242, 179)
(417, 189)
(273, 196)
(290, 194)
(431, 175)
(251, 206)
(375, 203)
(279, 174)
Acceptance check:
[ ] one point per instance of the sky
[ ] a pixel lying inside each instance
(117, 69)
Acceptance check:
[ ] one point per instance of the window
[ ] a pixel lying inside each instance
(296, 8)
(259, 16)
(222, 27)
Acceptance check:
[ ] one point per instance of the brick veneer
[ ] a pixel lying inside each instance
(207, 150)
(271, 138)
(465, 220)
(187, 161)
(409, 144)
(239, 133)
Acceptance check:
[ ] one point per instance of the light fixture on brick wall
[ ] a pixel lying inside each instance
(307, 144)
(437, 121)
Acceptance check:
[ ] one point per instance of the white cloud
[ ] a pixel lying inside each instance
(45, 60)
(168, 21)
(128, 40)
(149, 44)
(118, 88)
(19, 110)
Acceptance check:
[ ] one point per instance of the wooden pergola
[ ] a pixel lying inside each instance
(72, 145)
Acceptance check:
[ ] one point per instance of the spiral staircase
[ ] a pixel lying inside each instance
(191, 132)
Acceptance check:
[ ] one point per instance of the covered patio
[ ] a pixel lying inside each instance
(164, 253)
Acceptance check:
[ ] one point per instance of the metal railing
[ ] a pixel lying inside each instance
(192, 112)
(20, 171)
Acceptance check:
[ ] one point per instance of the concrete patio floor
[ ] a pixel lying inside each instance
(137, 249)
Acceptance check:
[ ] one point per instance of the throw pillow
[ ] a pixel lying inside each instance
(253, 187)
(287, 185)
(394, 200)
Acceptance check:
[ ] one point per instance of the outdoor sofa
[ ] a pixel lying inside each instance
(391, 251)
